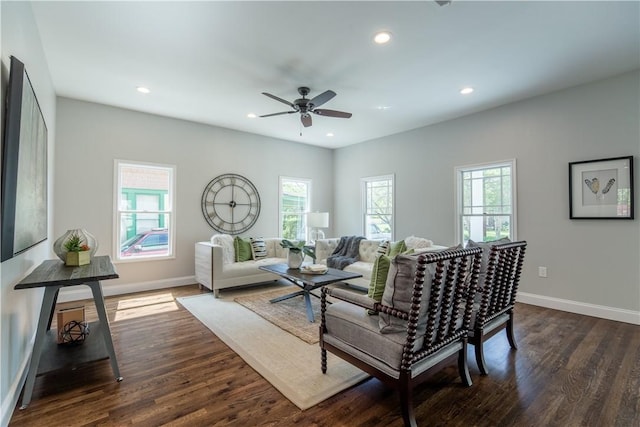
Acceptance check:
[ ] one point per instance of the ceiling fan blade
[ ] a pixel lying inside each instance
(306, 120)
(279, 99)
(322, 98)
(332, 113)
(277, 114)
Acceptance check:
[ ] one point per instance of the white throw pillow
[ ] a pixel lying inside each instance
(258, 247)
(228, 251)
(415, 243)
(383, 248)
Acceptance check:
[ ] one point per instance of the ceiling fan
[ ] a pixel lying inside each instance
(305, 106)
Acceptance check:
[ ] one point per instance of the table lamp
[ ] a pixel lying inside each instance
(316, 221)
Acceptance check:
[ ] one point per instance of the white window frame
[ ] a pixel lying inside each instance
(363, 190)
(307, 209)
(170, 211)
(459, 170)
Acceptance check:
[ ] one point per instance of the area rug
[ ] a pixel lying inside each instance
(289, 315)
(288, 363)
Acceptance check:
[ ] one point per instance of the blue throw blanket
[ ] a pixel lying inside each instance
(347, 252)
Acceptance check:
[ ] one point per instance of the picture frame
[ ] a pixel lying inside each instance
(601, 189)
(24, 215)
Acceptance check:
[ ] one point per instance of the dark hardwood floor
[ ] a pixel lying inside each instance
(569, 370)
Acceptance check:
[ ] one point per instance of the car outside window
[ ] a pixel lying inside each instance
(144, 211)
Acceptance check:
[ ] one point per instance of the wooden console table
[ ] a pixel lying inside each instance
(47, 355)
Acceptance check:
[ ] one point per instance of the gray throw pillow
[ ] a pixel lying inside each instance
(398, 292)
(486, 251)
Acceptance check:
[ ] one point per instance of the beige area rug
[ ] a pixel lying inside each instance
(290, 315)
(288, 363)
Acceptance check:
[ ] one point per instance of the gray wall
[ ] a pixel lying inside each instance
(589, 261)
(90, 136)
(19, 309)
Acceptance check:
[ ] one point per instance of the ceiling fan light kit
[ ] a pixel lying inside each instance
(305, 106)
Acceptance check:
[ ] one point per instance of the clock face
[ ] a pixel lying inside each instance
(230, 204)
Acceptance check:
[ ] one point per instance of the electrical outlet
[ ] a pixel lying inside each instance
(542, 271)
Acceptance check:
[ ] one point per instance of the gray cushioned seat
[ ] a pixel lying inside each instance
(351, 324)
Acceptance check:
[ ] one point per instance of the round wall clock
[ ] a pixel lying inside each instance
(230, 203)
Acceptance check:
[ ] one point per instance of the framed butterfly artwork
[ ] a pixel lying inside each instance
(601, 189)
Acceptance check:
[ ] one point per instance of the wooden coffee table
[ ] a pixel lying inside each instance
(307, 282)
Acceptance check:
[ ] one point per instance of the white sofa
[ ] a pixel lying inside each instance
(213, 272)
(368, 251)
(367, 255)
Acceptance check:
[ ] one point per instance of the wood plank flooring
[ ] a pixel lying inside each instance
(569, 370)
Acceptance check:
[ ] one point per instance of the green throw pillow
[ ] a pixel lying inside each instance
(379, 277)
(243, 249)
(397, 248)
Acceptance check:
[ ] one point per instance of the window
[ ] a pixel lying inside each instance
(295, 202)
(378, 207)
(486, 208)
(144, 211)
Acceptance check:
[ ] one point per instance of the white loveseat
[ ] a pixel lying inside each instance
(217, 269)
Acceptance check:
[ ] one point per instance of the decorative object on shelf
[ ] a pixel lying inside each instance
(76, 259)
(296, 250)
(76, 247)
(74, 332)
(316, 221)
(601, 189)
(230, 204)
(67, 323)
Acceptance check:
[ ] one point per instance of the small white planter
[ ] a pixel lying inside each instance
(294, 259)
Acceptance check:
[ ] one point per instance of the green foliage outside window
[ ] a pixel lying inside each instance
(295, 205)
(487, 204)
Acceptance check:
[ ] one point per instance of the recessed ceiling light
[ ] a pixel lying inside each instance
(142, 89)
(251, 115)
(383, 107)
(466, 90)
(330, 134)
(382, 37)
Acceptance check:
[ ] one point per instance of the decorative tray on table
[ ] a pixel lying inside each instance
(314, 269)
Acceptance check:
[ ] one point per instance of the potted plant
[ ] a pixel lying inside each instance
(77, 251)
(295, 258)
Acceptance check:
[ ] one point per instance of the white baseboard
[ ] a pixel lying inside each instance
(83, 292)
(601, 311)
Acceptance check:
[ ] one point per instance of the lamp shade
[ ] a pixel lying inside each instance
(318, 219)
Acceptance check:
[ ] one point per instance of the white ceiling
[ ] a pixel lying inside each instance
(209, 62)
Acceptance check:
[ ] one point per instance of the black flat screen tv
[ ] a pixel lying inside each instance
(24, 167)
